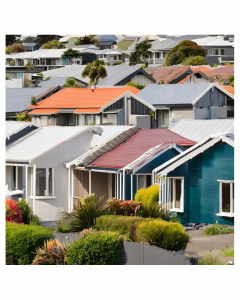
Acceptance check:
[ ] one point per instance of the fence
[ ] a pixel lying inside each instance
(139, 253)
(142, 254)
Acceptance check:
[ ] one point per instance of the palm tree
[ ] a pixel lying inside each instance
(95, 71)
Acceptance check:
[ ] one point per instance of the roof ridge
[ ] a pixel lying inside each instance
(122, 137)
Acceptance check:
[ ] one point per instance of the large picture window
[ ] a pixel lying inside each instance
(44, 182)
(226, 198)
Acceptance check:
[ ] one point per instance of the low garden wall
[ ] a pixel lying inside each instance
(139, 253)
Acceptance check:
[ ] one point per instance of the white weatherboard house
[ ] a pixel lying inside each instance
(35, 167)
(38, 168)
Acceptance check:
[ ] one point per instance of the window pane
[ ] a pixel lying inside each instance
(216, 51)
(81, 119)
(89, 119)
(149, 180)
(141, 181)
(222, 51)
(41, 182)
(97, 120)
(226, 197)
(178, 193)
(233, 195)
(50, 182)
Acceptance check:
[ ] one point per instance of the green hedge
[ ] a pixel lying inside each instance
(117, 63)
(122, 224)
(103, 248)
(167, 235)
(22, 240)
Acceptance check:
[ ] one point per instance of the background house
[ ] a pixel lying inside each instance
(116, 75)
(198, 184)
(76, 106)
(187, 101)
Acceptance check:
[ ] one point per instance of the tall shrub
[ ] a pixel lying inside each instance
(22, 240)
(97, 249)
(167, 235)
(149, 195)
(13, 213)
(26, 211)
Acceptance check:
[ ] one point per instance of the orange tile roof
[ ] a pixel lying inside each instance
(44, 111)
(83, 98)
(229, 89)
(87, 110)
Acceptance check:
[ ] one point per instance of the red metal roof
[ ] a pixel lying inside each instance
(138, 144)
(83, 98)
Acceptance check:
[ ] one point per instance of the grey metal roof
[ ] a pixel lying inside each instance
(19, 99)
(29, 44)
(164, 94)
(57, 81)
(116, 74)
(41, 141)
(198, 130)
(89, 46)
(230, 136)
(13, 127)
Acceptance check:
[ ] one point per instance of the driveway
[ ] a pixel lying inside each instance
(200, 244)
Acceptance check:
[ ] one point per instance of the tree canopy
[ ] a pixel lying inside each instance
(194, 61)
(10, 39)
(141, 50)
(15, 48)
(95, 71)
(53, 45)
(182, 51)
(42, 39)
(71, 53)
(71, 83)
(87, 40)
(231, 80)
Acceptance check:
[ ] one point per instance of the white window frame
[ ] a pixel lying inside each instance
(221, 213)
(46, 196)
(145, 180)
(181, 209)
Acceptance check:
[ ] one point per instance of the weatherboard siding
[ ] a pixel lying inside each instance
(183, 112)
(141, 79)
(201, 188)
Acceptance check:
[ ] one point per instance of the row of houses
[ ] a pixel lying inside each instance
(53, 166)
(219, 49)
(154, 106)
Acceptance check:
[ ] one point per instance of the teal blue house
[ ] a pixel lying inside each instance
(198, 184)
